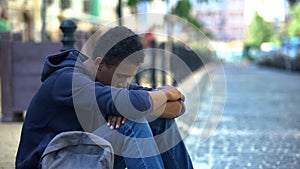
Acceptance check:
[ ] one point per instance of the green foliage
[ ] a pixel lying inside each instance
(195, 22)
(294, 26)
(183, 8)
(260, 31)
(133, 3)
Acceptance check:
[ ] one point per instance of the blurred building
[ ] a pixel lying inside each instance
(224, 18)
(26, 15)
(229, 19)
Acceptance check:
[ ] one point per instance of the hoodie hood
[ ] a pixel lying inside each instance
(59, 61)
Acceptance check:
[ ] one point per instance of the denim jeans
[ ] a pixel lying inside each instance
(143, 145)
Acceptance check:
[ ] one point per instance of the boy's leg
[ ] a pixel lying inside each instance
(119, 162)
(133, 144)
(170, 143)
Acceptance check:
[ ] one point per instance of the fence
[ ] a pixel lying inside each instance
(21, 67)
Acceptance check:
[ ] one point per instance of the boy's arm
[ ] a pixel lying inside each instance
(167, 102)
(173, 109)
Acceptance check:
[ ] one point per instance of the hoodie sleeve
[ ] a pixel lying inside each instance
(90, 96)
(142, 88)
(129, 103)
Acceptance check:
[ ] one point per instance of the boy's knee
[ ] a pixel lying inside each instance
(160, 125)
(136, 129)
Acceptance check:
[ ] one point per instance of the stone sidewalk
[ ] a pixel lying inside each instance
(260, 124)
(9, 140)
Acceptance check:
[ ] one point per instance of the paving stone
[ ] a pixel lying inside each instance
(260, 124)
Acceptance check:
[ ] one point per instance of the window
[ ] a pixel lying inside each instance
(86, 6)
(64, 4)
(50, 2)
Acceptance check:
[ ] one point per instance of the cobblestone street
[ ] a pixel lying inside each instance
(259, 127)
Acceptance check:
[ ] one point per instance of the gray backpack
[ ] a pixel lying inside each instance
(77, 150)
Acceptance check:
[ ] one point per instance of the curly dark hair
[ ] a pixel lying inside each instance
(117, 44)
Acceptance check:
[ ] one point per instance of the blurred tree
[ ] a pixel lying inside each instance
(195, 22)
(294, 26)
(132, 4)
(183, 9)
(260, 31)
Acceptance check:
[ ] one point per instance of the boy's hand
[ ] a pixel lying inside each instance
(115, 121)
(172, 93)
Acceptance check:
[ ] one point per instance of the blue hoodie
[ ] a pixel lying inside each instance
(70, 100)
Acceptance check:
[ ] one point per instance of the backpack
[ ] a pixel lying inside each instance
(77, 150)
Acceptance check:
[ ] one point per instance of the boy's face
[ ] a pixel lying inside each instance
(117, 76)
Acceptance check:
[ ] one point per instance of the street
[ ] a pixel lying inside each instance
(259, 127)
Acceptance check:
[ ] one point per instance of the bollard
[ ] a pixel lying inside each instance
(68, 28)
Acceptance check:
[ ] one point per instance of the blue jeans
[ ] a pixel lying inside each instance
(154, 145)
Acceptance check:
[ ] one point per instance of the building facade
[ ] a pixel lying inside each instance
(223, 18)
(26, 15)
(229, 19)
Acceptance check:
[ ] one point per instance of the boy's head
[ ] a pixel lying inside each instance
(117, 44)
(117, 53)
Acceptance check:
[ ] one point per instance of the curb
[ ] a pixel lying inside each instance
(201, 76)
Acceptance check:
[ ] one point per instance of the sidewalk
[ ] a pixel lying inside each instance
(9, 140)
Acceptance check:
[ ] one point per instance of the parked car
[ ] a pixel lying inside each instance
(291, 46)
